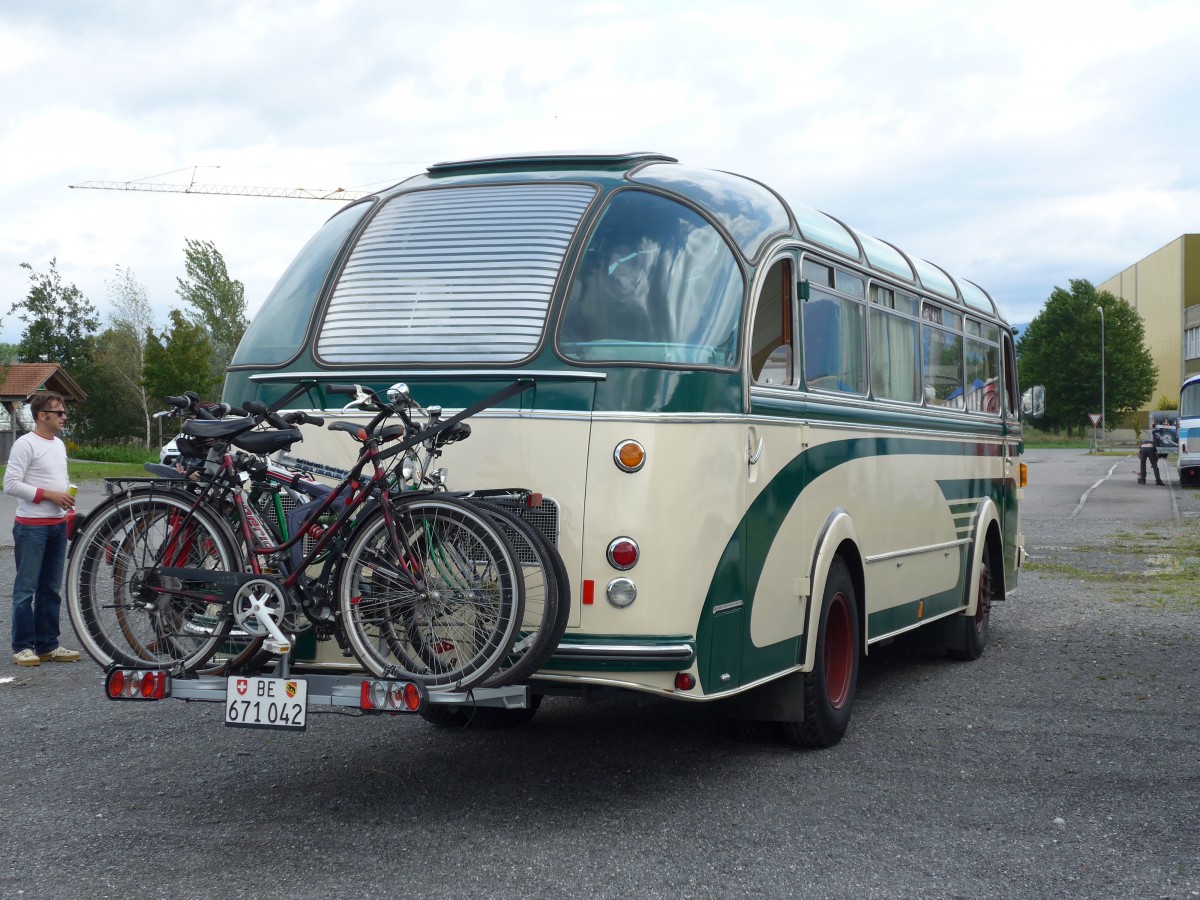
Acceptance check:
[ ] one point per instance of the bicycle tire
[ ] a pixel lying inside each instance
(441, 604)
(121, 541)
(547, 594)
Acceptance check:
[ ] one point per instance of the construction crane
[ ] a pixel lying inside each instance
(222, 189)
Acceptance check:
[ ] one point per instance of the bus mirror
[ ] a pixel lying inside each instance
(1033, 402)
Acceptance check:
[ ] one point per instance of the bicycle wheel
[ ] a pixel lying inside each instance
(547, 594)
(127, 613)
(438, 603)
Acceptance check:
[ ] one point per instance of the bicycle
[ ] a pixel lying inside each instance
(426, 586)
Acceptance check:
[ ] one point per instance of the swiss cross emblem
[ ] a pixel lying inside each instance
(290, 688)
(242, 685)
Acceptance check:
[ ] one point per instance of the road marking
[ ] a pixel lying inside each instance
(1083, 499)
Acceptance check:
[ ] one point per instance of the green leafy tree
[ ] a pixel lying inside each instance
(121, 351)
(59, 321)
(1061, 350)
(214, 300)
(178, 359)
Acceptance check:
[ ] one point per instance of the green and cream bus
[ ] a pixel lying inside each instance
(766, 442)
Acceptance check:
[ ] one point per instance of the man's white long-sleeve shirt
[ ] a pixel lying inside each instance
(36, 464)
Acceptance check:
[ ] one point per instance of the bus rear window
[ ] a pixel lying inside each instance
(657, 284)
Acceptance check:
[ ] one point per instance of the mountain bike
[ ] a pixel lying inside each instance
(415, 583)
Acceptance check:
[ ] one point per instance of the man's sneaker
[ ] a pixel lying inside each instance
(26, 658)
(59, 654)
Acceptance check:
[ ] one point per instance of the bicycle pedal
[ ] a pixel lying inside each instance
(277, 647)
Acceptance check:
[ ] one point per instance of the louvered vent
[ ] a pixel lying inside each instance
(459, 275)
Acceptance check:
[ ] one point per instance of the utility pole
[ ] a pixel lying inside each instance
(1100, 310)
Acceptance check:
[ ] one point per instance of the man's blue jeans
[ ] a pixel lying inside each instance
(39, 551)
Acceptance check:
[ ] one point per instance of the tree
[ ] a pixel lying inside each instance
(178, 360)
(121, 349)
(59, 321)
(215, 300)
(1061, 350)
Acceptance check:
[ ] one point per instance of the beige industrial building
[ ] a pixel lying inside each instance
(1165, 290)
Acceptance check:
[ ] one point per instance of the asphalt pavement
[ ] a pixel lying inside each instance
(1063, 763)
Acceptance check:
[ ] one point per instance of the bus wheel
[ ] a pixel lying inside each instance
(829, 688)
(970, 635)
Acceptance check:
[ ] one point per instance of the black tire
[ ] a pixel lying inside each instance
(123, 611)
(829, 689)
(440, 602)
(547, 596)
(968, 635)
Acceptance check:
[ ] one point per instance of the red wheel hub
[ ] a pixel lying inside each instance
(839, 651)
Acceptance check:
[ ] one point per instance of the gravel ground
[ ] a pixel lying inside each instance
(1065, 762)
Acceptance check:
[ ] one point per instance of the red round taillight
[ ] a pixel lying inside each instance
(684, 681)
(623, 553)
(412, 697)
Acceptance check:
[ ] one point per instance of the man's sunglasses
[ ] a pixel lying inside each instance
(61, 413)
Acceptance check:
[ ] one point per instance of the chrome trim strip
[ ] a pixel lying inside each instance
(725, 607)
(915, 550)
(439, 374)
(624, 652)
(907, 628)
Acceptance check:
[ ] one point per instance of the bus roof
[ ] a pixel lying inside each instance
(733, 200)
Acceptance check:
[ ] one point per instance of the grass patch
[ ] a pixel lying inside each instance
(80, 472)
(112, 453)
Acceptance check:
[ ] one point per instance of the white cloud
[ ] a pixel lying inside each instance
(1018, 144)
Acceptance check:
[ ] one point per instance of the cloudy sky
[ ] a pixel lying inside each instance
(1018, 144)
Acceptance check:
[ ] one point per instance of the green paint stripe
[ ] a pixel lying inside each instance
(764, 518)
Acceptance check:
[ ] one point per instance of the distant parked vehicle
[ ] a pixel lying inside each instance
(1189, 431)
(1164, 428)
(169, 454)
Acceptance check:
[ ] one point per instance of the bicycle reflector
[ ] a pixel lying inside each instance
(137, 684)
(392, 696)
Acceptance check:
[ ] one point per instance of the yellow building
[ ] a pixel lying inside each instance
(1165, 290)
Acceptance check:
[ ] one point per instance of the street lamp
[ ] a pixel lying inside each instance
(1100, 310)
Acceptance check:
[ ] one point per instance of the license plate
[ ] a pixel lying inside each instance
(266, 702)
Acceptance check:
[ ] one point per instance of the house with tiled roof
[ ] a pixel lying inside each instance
(19, 382)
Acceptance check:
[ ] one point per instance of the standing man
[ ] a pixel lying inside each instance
(37, 476)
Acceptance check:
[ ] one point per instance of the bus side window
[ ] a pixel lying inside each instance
(834, 357)
(771, 341)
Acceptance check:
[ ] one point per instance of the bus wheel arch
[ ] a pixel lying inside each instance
(835, 637)
(829, 688)
(968, 633)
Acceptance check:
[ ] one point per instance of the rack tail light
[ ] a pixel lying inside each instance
(393, 696)
(137, 684)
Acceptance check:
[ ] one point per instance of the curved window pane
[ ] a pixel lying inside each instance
(820, 229)
(746, 209)
(278, 328)
(656, 284)
(935, 279)
(975, 297)
(885, 257)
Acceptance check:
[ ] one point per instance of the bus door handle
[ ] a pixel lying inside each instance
(753, 451)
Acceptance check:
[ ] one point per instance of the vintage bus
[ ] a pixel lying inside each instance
(767, 442)
(1189, 432)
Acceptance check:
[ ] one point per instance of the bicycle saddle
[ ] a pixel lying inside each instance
(266, 441)
(218, 429)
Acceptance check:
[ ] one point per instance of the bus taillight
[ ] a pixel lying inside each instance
(623, 553)
(1024, 475)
